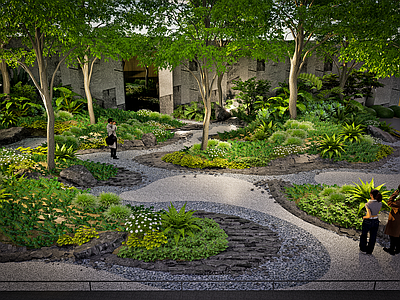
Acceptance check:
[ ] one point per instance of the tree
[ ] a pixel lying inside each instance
(99, 37)
(187, 33)
(377, 47)
(43, 27)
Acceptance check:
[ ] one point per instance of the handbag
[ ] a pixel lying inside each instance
(110, 140)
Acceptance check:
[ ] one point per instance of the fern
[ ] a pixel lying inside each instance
(314, 80)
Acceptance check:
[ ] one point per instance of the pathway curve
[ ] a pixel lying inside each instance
(237, 194)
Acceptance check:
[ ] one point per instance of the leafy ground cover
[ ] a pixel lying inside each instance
(342, 206)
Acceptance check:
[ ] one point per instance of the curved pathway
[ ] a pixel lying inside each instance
(343, 259)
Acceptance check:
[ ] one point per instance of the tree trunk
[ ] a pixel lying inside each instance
(343, 78)
(146, 78)
(6, 78)
(295, 67)
(206, 95)
(86, 84)
(219, 86)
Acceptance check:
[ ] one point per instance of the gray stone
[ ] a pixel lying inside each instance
(107, 242)
(12, 135)
(221, 114)
(79, 175)
(149, 139)
(379, 133)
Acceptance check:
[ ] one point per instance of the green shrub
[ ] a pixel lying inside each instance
(331, 146)
(150, 240)
(166, 118)
(117, 212)
(336, 198)
(367, 139)
(384, 150)
(292, 140)
(346, 189)
(352, 133)
(370, 110)
(84, 234)
(306, 125)
(327, 191)
(192, 161)
(300, 133)
(383, 112)
(128, 136)
(209, 241)
(63, 115)
(76, 130)
(291, 124)
(212, 143)
(196, 147)
(107, 199)
(67, 133)
(278, 137)
(224, 145)
(59, 139)
(85, 200)
(396, 110)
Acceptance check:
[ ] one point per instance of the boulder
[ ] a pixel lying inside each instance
(149, 139)
(221, 114)
(107, 242)
(13, 134)
(131, 144)
(379, 133)
(78, 175)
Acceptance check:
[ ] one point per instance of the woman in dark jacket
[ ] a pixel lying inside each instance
(112, 131)
(393, 225)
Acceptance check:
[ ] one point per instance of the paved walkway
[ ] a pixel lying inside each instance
(347, 263)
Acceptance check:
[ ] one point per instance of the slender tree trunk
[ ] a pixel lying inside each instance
(6, 78)
(86, 83)
(45, 95)
(206, 95)
(295, 67)
(146, 78)
(219, 86)
(343, 78)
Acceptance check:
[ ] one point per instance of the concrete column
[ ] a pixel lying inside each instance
(165, 78)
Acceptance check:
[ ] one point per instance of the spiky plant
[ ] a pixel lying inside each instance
(331, 146)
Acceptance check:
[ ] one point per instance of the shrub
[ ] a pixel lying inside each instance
(107, 199)
(336, 198)
(331, 146)
(278, 137)
(224, 145)
(155, 115)
(150, 240)
(292, 140)
(300, 133)
(85, 200)
(67, 133)
(396, 110)
(166, 118)
(384, 150)
(84, 234)
(196, 147)
(76, 130)
(128, 136)
(59, 139)
(327, 191)
(306, 125)
(212, 143)
(367, 139)
(352, 133)
(346, 189)
(64, 115)
(291, 124)
(117, 212)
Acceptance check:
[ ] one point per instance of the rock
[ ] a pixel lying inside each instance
(149, 139)
(379, 133)
(79, 175)
(13, 134)
(106, 243)
(221, 114)
(130, 144)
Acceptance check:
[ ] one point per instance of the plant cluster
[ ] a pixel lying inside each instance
(82, 235)
(333, 204)
(192, 111)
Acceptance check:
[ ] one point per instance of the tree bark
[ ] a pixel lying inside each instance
(219, 86)
(295, 66)
(6, 78)
(87, 74)
(146, 77)
(343, 78)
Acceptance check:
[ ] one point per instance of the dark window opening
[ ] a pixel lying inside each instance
(260, 65)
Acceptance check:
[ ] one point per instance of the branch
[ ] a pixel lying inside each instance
(27, 70)
(91, 68)
(56, 69)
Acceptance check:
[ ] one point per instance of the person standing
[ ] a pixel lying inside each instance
(371, 222)
(112, 131)
(393, 225)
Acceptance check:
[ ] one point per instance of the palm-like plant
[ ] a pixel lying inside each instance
(351, 132)
(179, 223)
(331, 146)
(361, 193)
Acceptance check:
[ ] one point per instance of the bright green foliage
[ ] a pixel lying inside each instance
(313, 79)
(337, 198)
(107, 199)
(346, 189)
(384, 150)
(85, 200)
(117, 212)
(84, 234)
(67, 101)
(327, 191)
(209, 241)
(293, 140)
(178, 224)
(59, 127)
(351, 132)
(300, 133)
(331, 146)
(11, 161)
(150, 240)
(63, 115)
(278, 137)
(14, 108)
(61, 153)
(65, 240)
(361, 193)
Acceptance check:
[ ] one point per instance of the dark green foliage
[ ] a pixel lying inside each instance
(29, 218)
(193, 111)
(383, 112)
(208, 241)
(396, 110)
(384, 150)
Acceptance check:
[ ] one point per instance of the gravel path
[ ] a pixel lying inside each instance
(309, 252)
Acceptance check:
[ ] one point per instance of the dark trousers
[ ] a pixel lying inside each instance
(371, 226)
(113, 152)
(395, 243)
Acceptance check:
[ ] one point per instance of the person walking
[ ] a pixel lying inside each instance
(112, 131)
(393, 225)
(371, 222)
